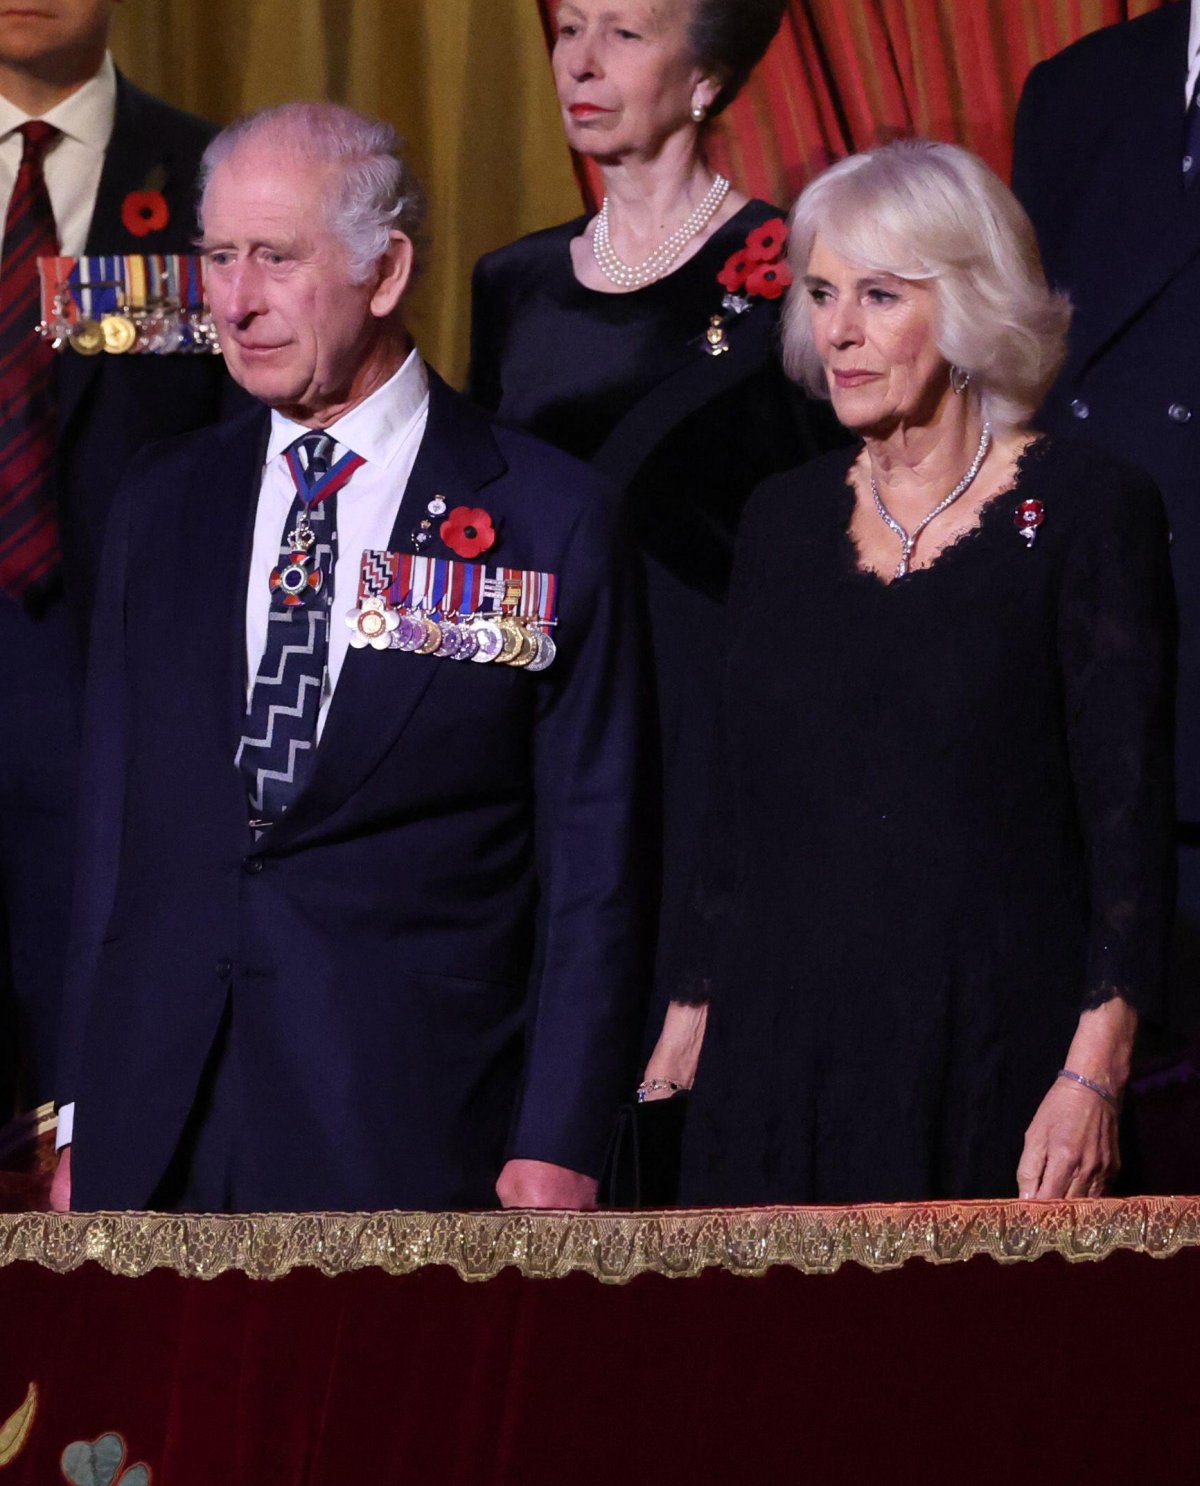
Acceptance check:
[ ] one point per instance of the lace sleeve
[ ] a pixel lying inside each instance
(1116, 639)
(712, 891)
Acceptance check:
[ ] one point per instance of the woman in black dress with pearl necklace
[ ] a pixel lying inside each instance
(645, 340)
(937, 894)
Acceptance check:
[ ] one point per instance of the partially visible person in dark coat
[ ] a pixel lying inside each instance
(1107, 164)
(71, 425)
(612, 337)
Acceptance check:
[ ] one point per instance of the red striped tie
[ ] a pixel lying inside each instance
(29, 555)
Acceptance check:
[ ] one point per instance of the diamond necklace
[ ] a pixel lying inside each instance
(908, 540)
(638, 275)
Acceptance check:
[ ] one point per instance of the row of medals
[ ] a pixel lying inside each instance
(507, 639)
(165, 331)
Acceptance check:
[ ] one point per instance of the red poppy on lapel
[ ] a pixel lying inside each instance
(768, 280)
(766, 243)
(143, 212)
(468, 532)
(733, 275)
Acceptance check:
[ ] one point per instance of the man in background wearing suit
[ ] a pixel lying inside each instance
(76, 141)
(360, 924)
(1107, 163)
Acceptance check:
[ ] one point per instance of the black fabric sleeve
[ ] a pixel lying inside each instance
(487, 339)
(712, 895)
(1116, 644)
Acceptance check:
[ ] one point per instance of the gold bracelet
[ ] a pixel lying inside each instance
(656, 1086)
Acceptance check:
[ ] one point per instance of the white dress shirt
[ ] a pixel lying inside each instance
(74, 162)
(1193, 49)
(386, 429)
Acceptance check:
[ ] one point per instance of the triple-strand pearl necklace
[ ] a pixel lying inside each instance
(638, 275)
(908, 540)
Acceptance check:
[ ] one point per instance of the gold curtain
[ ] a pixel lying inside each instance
(465, 81)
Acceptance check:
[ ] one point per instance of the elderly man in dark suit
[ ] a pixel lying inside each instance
(76, 140)
(360, 916)
(1107, 163)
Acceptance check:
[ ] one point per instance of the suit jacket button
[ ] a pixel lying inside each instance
(252, 864)
(1179, 413)
(224, 969)
(1080, 408)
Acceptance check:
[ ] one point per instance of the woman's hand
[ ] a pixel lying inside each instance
(676, 1052)
(1071, 1147)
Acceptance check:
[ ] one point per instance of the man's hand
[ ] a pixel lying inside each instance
(541, 1184)
(60, 1185)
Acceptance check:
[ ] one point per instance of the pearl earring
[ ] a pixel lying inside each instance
(699, 112)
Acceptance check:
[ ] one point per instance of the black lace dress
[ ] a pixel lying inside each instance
(623, 381)
(943, 829)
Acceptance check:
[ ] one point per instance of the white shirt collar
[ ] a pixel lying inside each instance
(88, 115)
(378, 427)
(1194, 34)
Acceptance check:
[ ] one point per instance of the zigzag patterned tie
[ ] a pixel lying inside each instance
(29, 554)
(279, 745)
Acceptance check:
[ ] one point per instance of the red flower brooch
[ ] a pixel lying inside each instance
(733, 275)
(143, 212)
(757, 270)
(468, 532)
(1028, 516)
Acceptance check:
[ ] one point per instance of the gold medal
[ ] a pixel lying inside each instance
(528, 651)
(514, 638)
(433, 635)
(87, 337)
(120, 334)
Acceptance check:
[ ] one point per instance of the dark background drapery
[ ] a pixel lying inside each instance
(467, 81)
(843, 75)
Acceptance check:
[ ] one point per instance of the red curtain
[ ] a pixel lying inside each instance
(998, 1375)
(846, 74)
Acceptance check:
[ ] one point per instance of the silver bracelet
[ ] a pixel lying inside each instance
(1106, 1094)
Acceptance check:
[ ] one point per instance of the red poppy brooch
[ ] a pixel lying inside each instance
(1028, 516)
(468, 532)
(143, 212)
(758, 270)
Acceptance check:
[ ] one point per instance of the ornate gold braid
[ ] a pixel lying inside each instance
(612, 1247)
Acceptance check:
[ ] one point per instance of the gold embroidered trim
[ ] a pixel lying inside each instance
(611, 1247)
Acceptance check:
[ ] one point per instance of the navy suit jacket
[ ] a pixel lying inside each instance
(1099, 142)
(434, 961)
(109, 407)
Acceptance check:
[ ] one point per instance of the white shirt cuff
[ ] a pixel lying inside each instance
(66, 1126)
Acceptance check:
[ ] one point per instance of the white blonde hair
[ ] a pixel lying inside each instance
(927, 211)
(377, 191)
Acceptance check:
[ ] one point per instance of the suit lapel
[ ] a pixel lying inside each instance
(220, 521)
(1141, 188)
(377, 693)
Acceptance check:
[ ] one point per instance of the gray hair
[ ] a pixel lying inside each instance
(377, 193)
(728, 38)
(927, 211)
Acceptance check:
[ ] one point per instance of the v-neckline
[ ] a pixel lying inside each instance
(966, 539)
